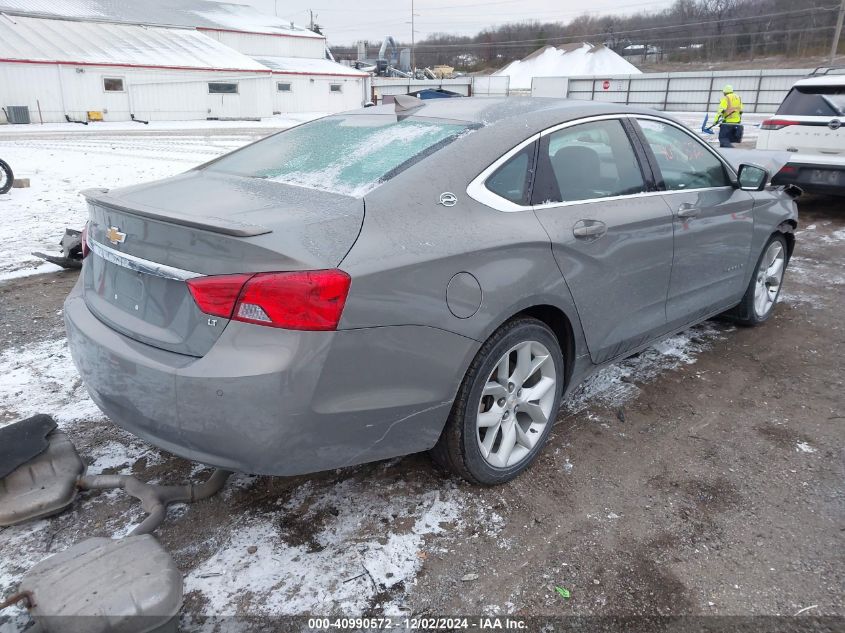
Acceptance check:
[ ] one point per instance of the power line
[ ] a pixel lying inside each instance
(694, 39)
(630, 31)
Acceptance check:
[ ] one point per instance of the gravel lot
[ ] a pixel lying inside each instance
(704, 476)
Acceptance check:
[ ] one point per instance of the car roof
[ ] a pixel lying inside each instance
(526, 113)
(822, 80)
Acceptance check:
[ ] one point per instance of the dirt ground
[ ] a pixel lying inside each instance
(716, 490)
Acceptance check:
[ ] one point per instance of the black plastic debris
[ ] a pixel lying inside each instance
(21, 441)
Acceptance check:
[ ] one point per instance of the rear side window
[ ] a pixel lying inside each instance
(685, 162)
(349, 155)
(513, 179)
(814, 101)
(585, 162)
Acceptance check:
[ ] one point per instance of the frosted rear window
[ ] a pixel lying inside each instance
(348, 155)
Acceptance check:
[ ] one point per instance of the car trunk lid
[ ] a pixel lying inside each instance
(148, 240)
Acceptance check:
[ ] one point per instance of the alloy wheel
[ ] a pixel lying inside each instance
(769, 278)
(516, 404)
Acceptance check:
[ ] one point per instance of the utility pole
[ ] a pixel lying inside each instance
(311, 23)
(835, 45)
(414, 66)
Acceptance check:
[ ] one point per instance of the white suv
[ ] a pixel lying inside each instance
(810, 123)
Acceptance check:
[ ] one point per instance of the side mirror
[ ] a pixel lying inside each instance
(752, 177)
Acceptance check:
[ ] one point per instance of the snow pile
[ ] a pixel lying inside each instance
(566, 61)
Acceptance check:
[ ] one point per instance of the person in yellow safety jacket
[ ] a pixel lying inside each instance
(729, 118)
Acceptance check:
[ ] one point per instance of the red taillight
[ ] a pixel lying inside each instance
(84, 239)
(308, 300)
(777, 124)
(217, 295)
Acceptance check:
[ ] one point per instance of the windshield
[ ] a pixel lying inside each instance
(349, 155)
(814, 101)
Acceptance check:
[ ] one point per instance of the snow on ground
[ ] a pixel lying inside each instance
(41, 378)
(334, 566)
(61, 160)
(615, 385)
(566, 61)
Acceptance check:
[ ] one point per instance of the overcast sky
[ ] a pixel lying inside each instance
(346, 21)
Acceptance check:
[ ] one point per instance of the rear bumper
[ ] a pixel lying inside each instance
(272, 401)
(802, 175)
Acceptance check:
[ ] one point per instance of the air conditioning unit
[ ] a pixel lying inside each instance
(18, 114)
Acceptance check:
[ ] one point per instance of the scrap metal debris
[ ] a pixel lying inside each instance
(71, 256)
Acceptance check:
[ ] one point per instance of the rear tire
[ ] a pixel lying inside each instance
(763, 290)
(506, 405)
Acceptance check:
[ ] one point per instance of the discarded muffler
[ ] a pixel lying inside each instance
(102, 585)
(129, 585)
(43, 485)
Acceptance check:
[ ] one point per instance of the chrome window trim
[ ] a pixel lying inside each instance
(478, 191)
(589, 119)
(139, 265)
(569, 203)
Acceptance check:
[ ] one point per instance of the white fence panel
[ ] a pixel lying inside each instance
(549, 86)
(489, 86)
(761, 90)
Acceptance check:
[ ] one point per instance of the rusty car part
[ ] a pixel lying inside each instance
(43, 485)
(155, 498)
(100, 585)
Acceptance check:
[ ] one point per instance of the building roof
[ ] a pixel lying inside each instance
(308, 66)
(202, 14)
(37, 40)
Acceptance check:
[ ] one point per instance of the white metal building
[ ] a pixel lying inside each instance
(164, 60)
(303, 85)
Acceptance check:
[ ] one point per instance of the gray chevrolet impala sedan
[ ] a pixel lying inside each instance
(415, 276)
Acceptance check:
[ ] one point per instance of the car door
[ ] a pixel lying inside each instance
(713, 221)
(611, 235)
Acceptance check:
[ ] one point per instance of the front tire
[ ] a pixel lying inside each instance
(506, 405)
(763, 290)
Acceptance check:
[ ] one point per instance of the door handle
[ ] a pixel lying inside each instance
(589, 228)
(687, 210)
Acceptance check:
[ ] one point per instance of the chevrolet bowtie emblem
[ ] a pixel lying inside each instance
(115, 236)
